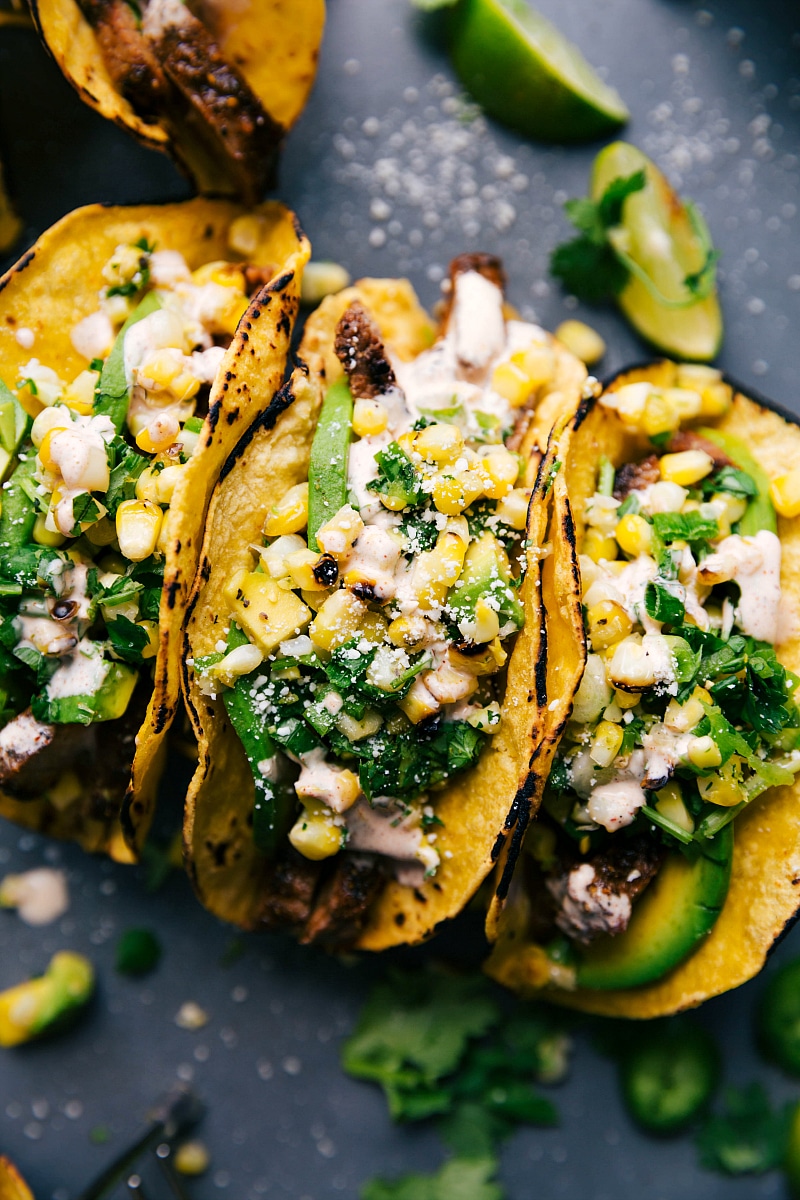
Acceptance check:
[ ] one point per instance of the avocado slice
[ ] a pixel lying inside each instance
(115, 684)
(486, 575)
(676, 912)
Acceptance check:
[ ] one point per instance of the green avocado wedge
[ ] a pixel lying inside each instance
(664, 242)
(675, 913)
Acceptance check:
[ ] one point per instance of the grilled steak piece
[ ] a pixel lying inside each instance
(33, 755)
(687, 439)
(289, 887)
(595, 896)
(632, 476)
(361, 352)
(344, 900)
(211, 100)
(134, 69)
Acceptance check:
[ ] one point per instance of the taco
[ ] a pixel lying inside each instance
(663, 864)
(216, 83)
(363, 636)
(126, 359)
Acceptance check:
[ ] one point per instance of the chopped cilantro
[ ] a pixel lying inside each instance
(589, 266)
(663, 602)
(687, 527)
(397, 477)
(128, 640)
(731, 480)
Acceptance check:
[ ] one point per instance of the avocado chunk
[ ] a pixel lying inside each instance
(673, 916)
(486, 575)
(111, 683)
(44, 1004)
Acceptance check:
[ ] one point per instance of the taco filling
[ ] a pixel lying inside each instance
(85, 510)
(362, 656)
(685, 713)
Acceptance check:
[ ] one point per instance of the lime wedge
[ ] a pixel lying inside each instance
(661, 236)
(521, 70)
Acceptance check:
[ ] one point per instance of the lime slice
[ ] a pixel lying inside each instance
(521, 70)
(665, 240)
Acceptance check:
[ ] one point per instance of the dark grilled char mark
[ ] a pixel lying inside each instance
(344, 900)
(128, 56)
(687, 439)
(289, 892)
(216, 102)
(632, 476)
(362, 354)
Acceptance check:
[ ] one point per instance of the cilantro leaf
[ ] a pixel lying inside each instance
(128, 640)
(122, 479)
(748, 1137)
(413, 1031)
(731, 480)
(397, 477)
(663, 603)
(687, 527)
(588, 266)
(458, 1179)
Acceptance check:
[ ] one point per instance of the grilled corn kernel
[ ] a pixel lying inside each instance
(488, 662)
(441, 444)
(582, 341)
(340, 618)
(606, 743)
(608, 624)
(634, 535)
(226, 274)
(537, 361)
(44, 536)
(499, 471)
(369, 417)
(686, 400)
(513, 508)
(192, 1158)
(300, 564)
(453, 493)
(418, 703)
(159, 434)
(629, 401)
(625, 700)
(337, 535)
(436, 570)
(138, 527)
(273, 557)
(314, 834)
(704, 753)
(631, 668)
(79, 395)
(409, 633)
(669, 802)
(151, 629)
(512, 383)
(722, 789)
(599, 547)
(239, 661)
(684, 717)
(696, 375)
(732, 508)
(290, 514)
(486, 626)
(716, 399)
(245, 235)
(47, 420)
(785, 493)
(661, 414)
(158, 371)
(686, 468)
(322, 278)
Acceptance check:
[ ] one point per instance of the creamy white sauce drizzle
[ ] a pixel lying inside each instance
(754, 563)
(586, 910)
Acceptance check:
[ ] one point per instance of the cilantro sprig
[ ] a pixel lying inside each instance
(595, 266)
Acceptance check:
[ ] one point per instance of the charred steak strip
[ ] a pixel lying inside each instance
(687, 439)
(632, 476)
(595, 896)
(128, 56)
(361, 352)
(343, 902)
